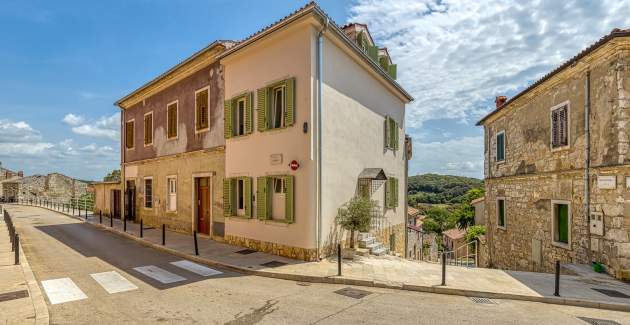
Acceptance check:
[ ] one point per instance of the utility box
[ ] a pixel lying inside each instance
(597, 224)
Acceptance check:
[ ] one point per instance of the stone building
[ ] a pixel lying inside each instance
(259, 142)
(557, 165)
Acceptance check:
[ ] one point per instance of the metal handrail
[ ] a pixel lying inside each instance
(453, 258)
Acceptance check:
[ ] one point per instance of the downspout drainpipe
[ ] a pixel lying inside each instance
(320, 64)
(587, 160)
(123, 147)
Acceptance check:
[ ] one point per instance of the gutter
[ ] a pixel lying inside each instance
(318, 169)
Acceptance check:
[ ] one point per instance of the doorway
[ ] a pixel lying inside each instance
(115, 203)
(130, 202)
(202, 185)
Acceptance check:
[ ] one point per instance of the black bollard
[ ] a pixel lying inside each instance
(196, 248)
(338, 259)
(443, 268)
(163, 234)
(557, 287)
(73, 209)
(124, 224)
(100, 217)
(141, 229)
(17, 249)
(111, 220)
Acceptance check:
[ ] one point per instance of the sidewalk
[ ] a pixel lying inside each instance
(389, 271)
(21, 300)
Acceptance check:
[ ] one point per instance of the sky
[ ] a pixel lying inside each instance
(64, 63)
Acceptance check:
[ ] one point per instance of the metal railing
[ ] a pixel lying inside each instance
(14, 237)
(465, 255)
(81, 206)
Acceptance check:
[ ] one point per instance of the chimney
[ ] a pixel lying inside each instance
(500, 100)
(20, 174)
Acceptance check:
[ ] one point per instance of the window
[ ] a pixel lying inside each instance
(501, 213)
(391, 133)
(201, 109)
(148, 128)
(237, 197)
(240, 197)
(560, 126)
(275, 198)
(391, 193)
(172, 193)
(561, 222)
(238, 116)
(129, 134)
(276, 105)
(500, 146)
(171, 120)
(148, 193)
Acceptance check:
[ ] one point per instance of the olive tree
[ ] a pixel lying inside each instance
(356, 215)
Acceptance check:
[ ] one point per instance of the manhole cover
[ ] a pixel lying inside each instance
(479, 300)
(13, 295)
(303, 284)
(273, 264)
(246, 251)
(352, 293)
(595, 321)
(611, 293)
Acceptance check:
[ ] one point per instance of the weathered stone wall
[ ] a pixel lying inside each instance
(533, 174)
(385, 234)
(55, 185)
(273, 248)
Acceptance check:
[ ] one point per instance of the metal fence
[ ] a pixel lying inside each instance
(83, 205)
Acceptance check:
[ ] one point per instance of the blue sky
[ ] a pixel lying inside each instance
(64, 63)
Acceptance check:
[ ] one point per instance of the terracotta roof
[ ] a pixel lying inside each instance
(613, 34)
(455, 233)
(412, 212)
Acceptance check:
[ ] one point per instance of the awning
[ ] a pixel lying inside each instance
(373, 173)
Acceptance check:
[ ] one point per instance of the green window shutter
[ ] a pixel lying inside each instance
(289, 199)
(289, 117)
(388, 133)
(249, 113)
(372, 52)
(388, 193)
(501, 207)
(392, 70)
(247, 196)
(262, 109)
(227, 118)
(394, 128)
(395, 192)
(562, 223)
(227, 197)
(262, 198)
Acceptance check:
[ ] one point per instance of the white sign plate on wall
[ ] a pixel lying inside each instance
(606, 182)
(276, 159)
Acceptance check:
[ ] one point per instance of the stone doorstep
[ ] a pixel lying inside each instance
(370, 283)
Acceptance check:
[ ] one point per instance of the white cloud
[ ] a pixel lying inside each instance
(17, 132)
(461, 156)
(454, 57)
(107, 127)
(72, 119)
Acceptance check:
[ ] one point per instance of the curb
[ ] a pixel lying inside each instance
(362, 282)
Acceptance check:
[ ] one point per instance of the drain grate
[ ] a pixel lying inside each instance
(13, 295)
(353, 293)
(303, 284)
(485, 301)
(611, 293)
(246, 251)
(595, 321)
(273, 264)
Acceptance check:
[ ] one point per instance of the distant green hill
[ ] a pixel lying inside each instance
(445, 189)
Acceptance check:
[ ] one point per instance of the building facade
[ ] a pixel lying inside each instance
(557, 165)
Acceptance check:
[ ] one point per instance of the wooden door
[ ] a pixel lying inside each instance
(203, 206)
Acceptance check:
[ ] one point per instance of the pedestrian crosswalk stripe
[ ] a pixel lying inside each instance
(159, 274)
(196, 268)
(113, 282)
(62, 290)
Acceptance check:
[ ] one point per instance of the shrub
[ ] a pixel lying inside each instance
(356, 215)
(474, 232)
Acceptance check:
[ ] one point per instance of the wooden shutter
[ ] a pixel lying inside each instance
(395, 137)
(388, 193)
(262, 198)
(249, 113)
(388, 133)
(501, 206)
(148, 129)
(500, 146)
(172, 121)
(129, 134)
(372, 52)
(394, 191)
(247, 196)
(201, 108)
(563, 133)
(555, 136)
(289, 116)
(228, 121)
(562, 223)
(392, 70)
(228, 202)
(289, 212)
(262, 108)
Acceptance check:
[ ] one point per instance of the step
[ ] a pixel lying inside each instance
(365, 235)
(373, 246)
(380, 251)
(366, 243)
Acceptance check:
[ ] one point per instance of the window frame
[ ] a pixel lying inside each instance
(566, 103)
(272, 109)
(168, 193)
(206, 129)
(176, 102)
(145, 193)
(555, 242)
(496, 147)
(133, 135)
(504, 226)
(236, 120)
(144, 135)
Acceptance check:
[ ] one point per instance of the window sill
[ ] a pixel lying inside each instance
(148, 145)
(561, 245)
(499, 162)
(276, 130)
(202, 130)
(286, 223)
(240, 218)
(504, 228)
(563, 148)
(236, 137)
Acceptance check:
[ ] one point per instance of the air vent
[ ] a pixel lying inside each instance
(595, 321)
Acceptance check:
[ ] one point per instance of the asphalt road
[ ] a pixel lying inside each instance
(60, 247)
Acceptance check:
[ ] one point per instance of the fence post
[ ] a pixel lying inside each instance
(443, 268)
(196, 247)
(17, 249)
(338, 259)
(141, 229)
(557, 286)
(163, 234)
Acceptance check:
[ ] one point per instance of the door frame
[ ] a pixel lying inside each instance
(193, 217)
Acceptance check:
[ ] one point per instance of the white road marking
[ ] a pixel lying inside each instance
(196, 268)
(113, 282)
(62, 290)
(159, 274)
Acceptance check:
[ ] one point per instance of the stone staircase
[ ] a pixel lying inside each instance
(368, 242)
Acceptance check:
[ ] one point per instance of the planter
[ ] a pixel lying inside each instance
(348, 253)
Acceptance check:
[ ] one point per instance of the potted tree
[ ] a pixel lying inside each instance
(355, 216)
